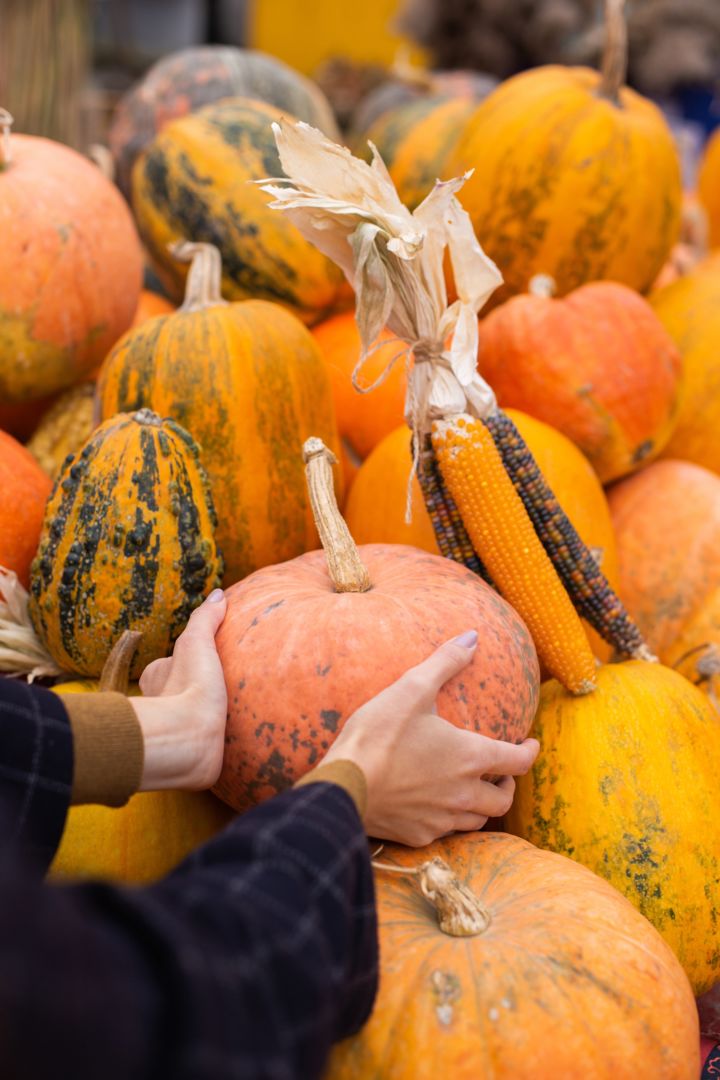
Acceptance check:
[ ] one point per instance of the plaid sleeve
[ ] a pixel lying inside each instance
(36, 766)
(248, 961)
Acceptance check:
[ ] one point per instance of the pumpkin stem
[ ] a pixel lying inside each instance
(202, 289)
(542, 285)
(116, 670)
(615, 54)
(707, 668)
(346, 569)
(6, 122)
(460, 912)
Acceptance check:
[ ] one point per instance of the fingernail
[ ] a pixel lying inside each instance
(468, 640)
(215, 596)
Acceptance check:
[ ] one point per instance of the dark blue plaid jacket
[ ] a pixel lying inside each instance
(248, 961)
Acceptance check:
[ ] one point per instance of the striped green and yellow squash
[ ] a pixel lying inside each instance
(193, 182)
(127, 541)
(250, 383)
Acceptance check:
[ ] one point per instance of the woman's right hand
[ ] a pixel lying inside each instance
(424, 775)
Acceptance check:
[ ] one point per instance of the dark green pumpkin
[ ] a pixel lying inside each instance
(127, 543)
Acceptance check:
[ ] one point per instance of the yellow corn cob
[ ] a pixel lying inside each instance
(506, 542)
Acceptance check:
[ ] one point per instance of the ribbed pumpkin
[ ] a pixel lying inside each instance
(597, 365)
(70, 266)
(690, 311)
(64, 428)
(333, 630)
(626, 783)
(362, 419)
(375, 507)
(248, 381)
(709, 187)
(416, 140)
(193, 183)
(551, 974)
(24, 489)
(412, 84)
(667, 523)
(186, 80)
(576, 175)
(128, 541)
(142, 841)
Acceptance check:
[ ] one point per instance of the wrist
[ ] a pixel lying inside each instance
(174, 756)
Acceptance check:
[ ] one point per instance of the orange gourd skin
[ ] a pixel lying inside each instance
(331, 652)
(70, 268)
(597, 365)
(689, 309)
(569, 184)
(362, 419)
(248, 382)
(626, 784)
(667, 524)
(24, 489)
(709, 187)
(375, 507)
(150, 304)
(193, 182)
(567, 983)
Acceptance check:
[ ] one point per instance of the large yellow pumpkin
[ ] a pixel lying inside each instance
(626, 783)
(194, 182)
(690, 312)
(247, 380)
(555, 976)
(576, 176)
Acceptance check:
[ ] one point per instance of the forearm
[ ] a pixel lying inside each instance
(251, 958)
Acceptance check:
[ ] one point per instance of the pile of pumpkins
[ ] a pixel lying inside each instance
(163, 455)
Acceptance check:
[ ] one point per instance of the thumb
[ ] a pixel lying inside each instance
(426, 679)
(203, 624)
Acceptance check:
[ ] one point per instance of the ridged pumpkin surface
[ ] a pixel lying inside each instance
(415, 141)
(140, 842)
(709, 187)
(248, 381)
(626, 783)
(568, 982)
(597, 365)
(70, 268)
(127, 542)
(24, 489)
(186, 80)
(192, 183)
(667, 523)
(569, 184)
(362, 419)
(64, 428)
(689, 309)
(331, 652)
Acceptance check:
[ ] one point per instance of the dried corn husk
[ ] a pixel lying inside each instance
(21, 652)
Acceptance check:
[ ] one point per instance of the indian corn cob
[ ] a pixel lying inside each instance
(505, 540)
(575, 564)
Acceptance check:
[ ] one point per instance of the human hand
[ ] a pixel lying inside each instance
(184, 707)
(424, 775)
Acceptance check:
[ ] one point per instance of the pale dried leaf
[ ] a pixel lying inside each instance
(21, 652)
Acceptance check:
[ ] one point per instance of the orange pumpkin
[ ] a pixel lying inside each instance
(597, 365)
(290, 627)
(247, 380)
(22, 417)
(70, 267)
(501, 960)
(150, 304)
(25, 489)
(689, 310)
(362, 419)
(667, 524)
(709, 186)
(576, 175)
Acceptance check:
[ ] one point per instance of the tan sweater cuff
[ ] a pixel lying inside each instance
(107, 747)
(347, 775)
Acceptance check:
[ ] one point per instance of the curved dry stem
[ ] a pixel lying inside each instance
(460, 912)
(542, 285)
(6, 122)
(347, 570)
(204, 280)
(116, 670)
(615, 54)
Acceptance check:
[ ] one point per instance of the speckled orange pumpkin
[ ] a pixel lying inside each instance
(70, 267)
(597, 365)
(331, 651)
